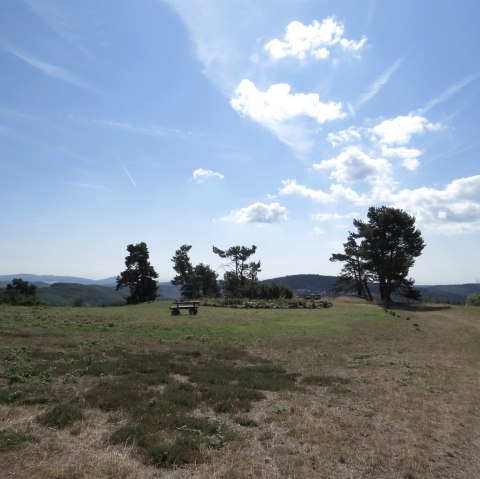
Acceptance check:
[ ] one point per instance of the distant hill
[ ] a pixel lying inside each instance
(63, 294)
(304, 284)
(61, 290)
(452, 293)
(50, 279)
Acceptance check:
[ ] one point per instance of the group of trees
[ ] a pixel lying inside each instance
(381, 250)
(194, 281)
(20, 293)
(240, 279)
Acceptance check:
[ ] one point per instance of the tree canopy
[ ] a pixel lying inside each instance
(194, 281)
(382, 249)
(19, 292)
(139, 275)
(242, 274)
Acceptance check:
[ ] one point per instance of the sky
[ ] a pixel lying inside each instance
(272, 123)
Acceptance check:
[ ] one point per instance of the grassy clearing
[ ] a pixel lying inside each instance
(349, 391)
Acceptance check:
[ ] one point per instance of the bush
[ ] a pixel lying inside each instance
(61, 416)
(473, 300)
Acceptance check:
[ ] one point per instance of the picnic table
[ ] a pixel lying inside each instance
(177, 306)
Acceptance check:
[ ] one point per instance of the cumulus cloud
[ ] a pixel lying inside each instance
(291, 187)
(408, 155)
(278, 104)
(315, 40)
(452, 210)
(281, 111)
(332, 216)
(337, 193)
(200, 175)
(258, 213)
(344, 136)
(354, 165)
(399, 130)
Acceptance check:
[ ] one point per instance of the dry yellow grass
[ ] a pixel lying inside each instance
(406, 407)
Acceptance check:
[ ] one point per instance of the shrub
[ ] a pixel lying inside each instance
(473, 299)
(61, 416)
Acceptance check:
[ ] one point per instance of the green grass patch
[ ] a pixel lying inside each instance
(61, 416)
(10, 439)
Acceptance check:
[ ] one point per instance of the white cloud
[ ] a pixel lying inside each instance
(332, 216)
(354, 165)
(452, 210)
(378, 84)
(315, 40)
(318, 231)
(344, 136)
(400, 130)
(281, 111)
(291, 187)
(337, 193)
(45, 68)
(450, 91)
(200, 175)
(408, 155)
(258, 213)
(277, 104)
(343, 193)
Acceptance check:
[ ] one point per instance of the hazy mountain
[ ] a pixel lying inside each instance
(303, 284)
(61, 290)
(50, 279)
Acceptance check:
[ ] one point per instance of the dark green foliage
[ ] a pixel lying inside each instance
(239, 280)
(194, 282)
(473, 300)
(11, 439)
(139, 276)
(141, 387)
(19, 293)
(61, 416)
(382, 249)
(74, 294)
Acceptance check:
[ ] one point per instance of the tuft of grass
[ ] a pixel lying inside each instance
(324, 380)
(61, 416)
(11, 439)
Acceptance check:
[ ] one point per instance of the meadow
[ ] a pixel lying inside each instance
(346, 392)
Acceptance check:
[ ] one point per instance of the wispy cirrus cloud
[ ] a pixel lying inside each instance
(45, 68)
(313, 41)
(151, 130)
(129, 176)
(450, 91)
(378, 84)
(55, 16)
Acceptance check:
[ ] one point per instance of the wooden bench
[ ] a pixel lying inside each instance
(192, 307)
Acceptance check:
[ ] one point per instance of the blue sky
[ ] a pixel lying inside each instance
(224, 122)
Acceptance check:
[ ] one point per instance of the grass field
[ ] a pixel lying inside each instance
(346, 392)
